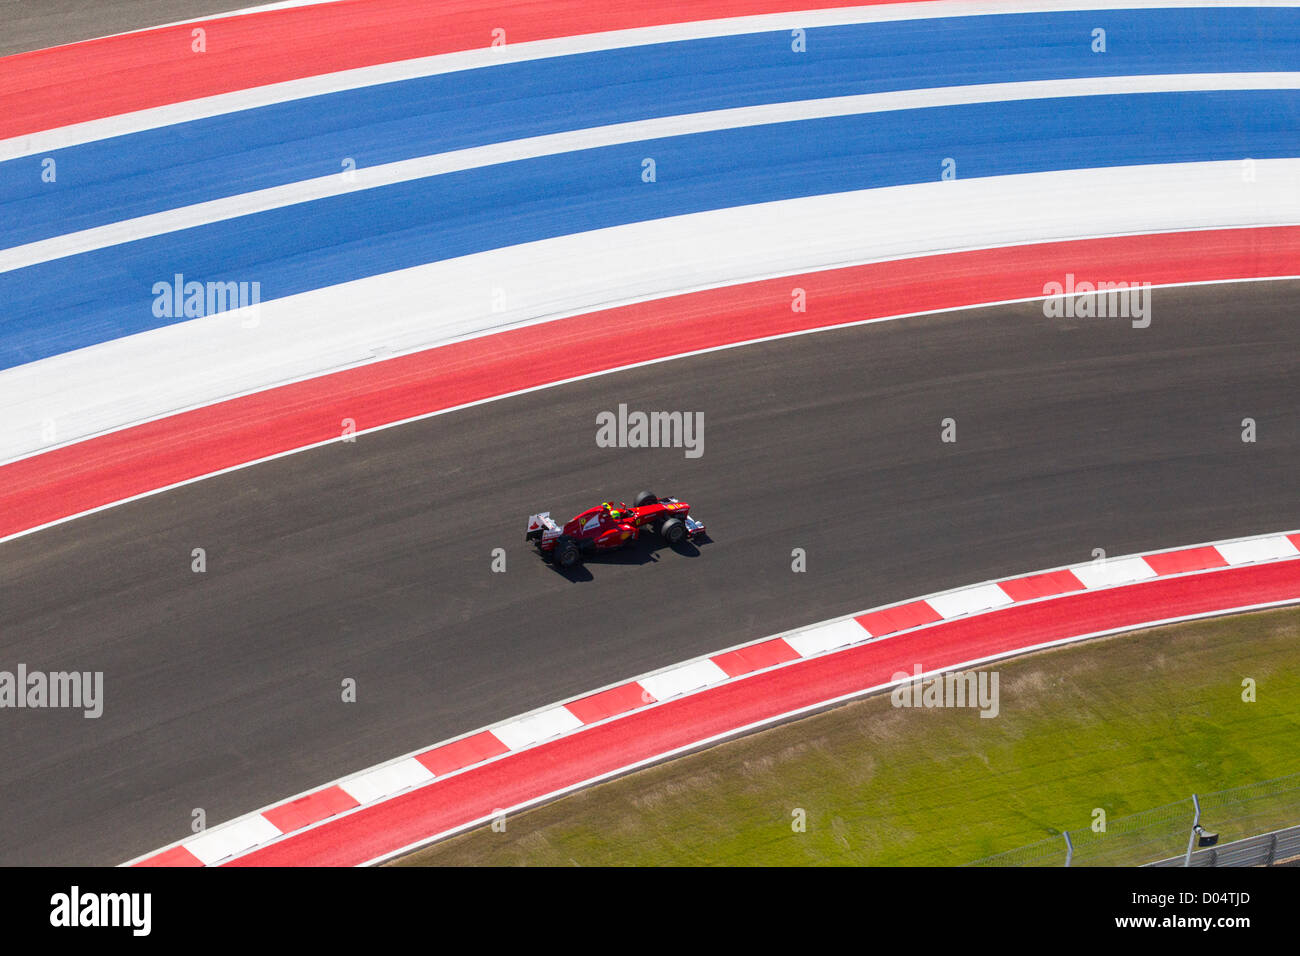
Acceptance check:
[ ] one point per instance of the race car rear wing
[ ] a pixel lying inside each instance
(538, 525)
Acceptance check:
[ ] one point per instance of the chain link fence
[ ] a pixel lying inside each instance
(1281, 847)
(1164, 832)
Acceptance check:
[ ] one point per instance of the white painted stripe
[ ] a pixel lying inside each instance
(530, 730)
(825, 637)
(259, 8)
(123, 124)
(524, 391)
(234, 837)
(155, 373)
(683, 679)
(1258, 549)
(786, 635)
(225, 15)
(1101, 574)
(277, 197)
(969, 600)
(386, 780)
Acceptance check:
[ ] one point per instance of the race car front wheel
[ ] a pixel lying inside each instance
(673, 530)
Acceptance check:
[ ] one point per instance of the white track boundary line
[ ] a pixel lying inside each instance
(537, 388)
(867, 639)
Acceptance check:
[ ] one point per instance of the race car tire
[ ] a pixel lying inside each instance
(566, 553)
(673, 530)
(644, 498)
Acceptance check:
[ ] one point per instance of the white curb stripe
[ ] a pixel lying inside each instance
(225, 841)
(1111, 571)
(530, 730)
(386, 780)
(970, 600)
(1260, 549)
(683, 679)
(826, 637)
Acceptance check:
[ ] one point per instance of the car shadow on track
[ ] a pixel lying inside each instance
(644, 550)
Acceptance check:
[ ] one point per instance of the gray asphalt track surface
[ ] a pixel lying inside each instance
(37, 24)
(372, 560)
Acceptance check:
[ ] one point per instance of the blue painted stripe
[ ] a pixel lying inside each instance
(147, 172)
(83, 300)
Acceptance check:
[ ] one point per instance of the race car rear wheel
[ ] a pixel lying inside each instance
(566, 553)
(673, 530)
(644, 498)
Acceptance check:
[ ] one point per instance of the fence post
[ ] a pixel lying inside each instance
(1069, 847)
(1191, 840)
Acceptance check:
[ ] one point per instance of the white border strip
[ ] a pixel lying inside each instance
(598, 137)
(142, 377)
(221, 15)
(567, 381)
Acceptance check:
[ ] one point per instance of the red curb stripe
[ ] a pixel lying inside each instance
(609, 748)
(608, 703)
(899, 618)
(462, 753)
(1041, 585)
(140, 459)
(1191, 559)
(310, 809)
(744, 660)
(46, 89)
(176, 856)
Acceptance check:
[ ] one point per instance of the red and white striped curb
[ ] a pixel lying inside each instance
(419, 768)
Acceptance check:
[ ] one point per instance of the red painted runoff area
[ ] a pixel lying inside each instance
(140, 459)
(46, 89)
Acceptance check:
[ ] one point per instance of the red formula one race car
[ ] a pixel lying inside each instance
(612, 525)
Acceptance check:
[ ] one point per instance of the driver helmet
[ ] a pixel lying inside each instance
(618, 512)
